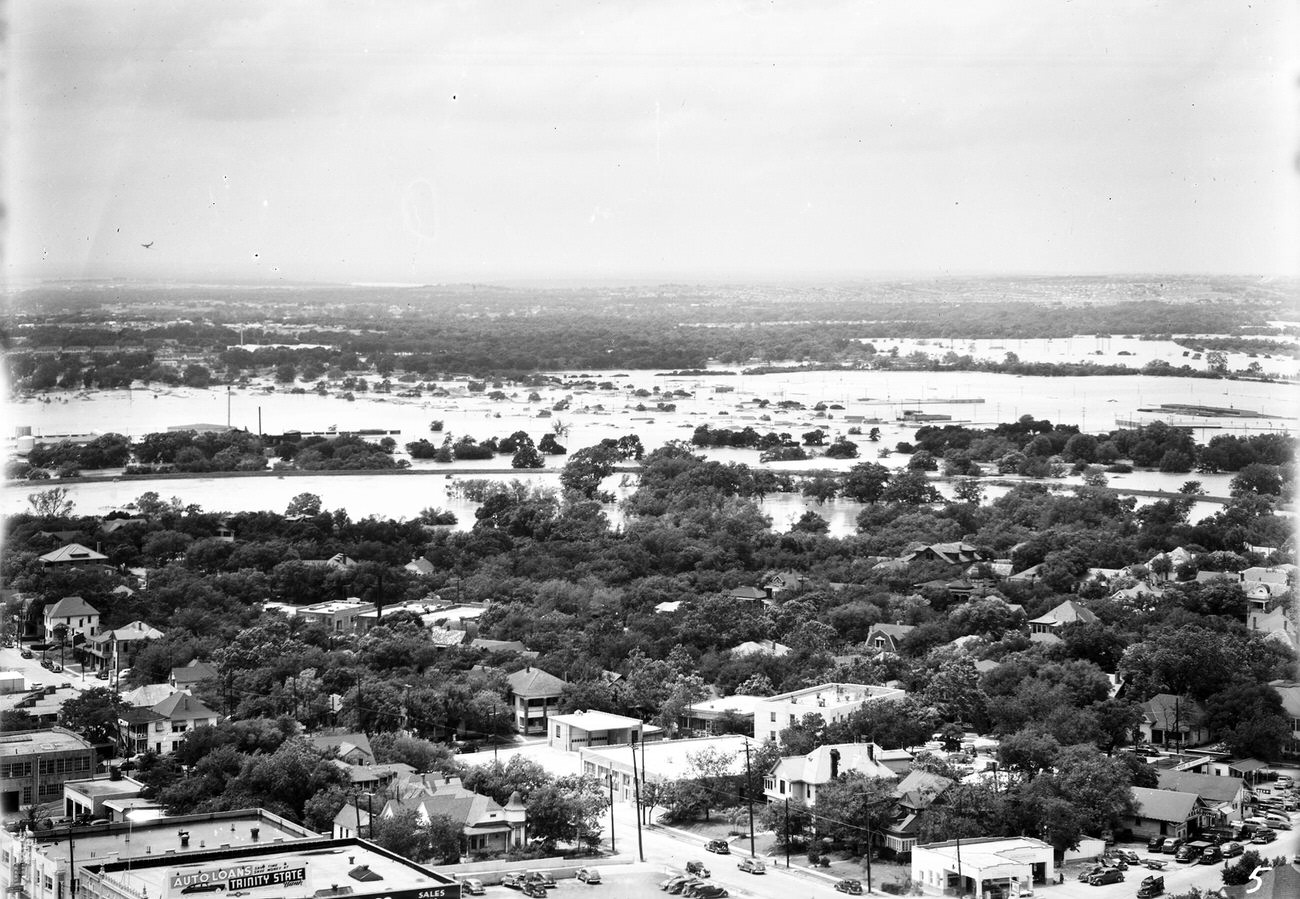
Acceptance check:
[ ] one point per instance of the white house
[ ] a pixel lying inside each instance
(799, 777)
(578, 730)
(79, 617)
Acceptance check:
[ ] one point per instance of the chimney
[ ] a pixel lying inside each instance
(255, 833)
(185, 837)
(871, 751)
(835, 763)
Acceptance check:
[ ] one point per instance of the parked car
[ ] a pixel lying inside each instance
(101, 675)
(1114, 861)
(542, 877)
(1110, 875)
(1191, 851)
(589, 875)
(512, 880)
(1275, 820)
(702, 890)
(1173, 844)
(472, 886)
(1263, 836)
(1156, 844)
(46, 663)
(1151, 886)
(1128, 855)
(675, 880)
(1088, 873)
(680, 888)
(1211, 855)
(1232, 849)
(850, 886)
(719, 846)
(697, 868)
(534, 889)
(25, 653)
(752, 865)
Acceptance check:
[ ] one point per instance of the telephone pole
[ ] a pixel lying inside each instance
(749, 797)
(610, 775)
(636, 785)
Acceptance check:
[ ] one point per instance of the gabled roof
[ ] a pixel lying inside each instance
(1165, 710)
(534, 682)
(442, 636)
(746, 593)
(760, 647)
(183, 705)
(73, 552)
(815, 767)
(138, 715)
(197, 670)
(1209, 787)
(1067, 613)
(954, 553)
(919, 788)
(497, 645)
(70, 607)
(147, 696)
(136, 630)
(343, 745)
(1164, 805)
(420, 566)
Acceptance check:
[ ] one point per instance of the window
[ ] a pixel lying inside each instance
(792, 720)
(773, 717)
(557, 731)
(780, 786)
(178, 727)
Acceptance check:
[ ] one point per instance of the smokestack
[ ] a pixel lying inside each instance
(835, 763)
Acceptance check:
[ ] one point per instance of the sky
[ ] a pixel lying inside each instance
(433, 142)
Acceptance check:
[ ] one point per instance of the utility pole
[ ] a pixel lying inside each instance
(636, 784)
(610, 775)
(749, 797)
(787, 839)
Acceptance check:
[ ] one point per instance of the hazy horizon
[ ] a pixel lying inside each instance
(734, 142)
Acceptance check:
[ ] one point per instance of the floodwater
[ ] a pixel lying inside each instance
(853, 400)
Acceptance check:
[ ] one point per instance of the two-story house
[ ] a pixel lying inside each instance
(1047, 628)
(535, 697)
(78, 618)
(116, 649)
(1169, 719)
(799, 777)
(162, 727)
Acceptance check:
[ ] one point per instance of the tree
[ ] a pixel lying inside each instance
(821, 486)
(402, 833)
(527, 457)
(92, 715)
(911, 488)
(969, 490)
(790, 822)
(304, 504)
(851, 805)
(52, 503)
(1257, 479)
(865, 482)
(1088, 792)
(586, 468)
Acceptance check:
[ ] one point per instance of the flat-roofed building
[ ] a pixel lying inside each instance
(88, 798)
(711, 713)
(35, 764)
(581, 729)
(662, 761)
(338, 616)
(41, 863)
(990, 867)
(834, 702)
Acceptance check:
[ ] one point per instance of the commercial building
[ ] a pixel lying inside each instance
(34, 765)
(338, 616)
(834, 702)
(581, 729)
(710, 714)
(984, 868)
(660, 762)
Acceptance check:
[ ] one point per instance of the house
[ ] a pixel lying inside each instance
(983, 868)
(1047, 628)
(191, 674)
(375, 778)
(746, 594)
(1281, 575)
(338, 616)
(958, 553)
(1221, 797)
(351, 748)
(784, 580)
(147, 696)
(73, 555)
(178, 714)
(760, 648)
(914, 794)
(798, 777)
(1278, 625)
(486, 645)
(78, 618)
(577, 730)
(336, 562)
(886, 638)
(486, 825)
(1163, 813)
(89, 798)
(419, 567)
(117, 649)
(35, 764)
(1289, 691)
(1167, 718)
(834, 702)
(535, 696)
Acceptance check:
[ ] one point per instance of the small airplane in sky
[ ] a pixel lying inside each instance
(147, 245)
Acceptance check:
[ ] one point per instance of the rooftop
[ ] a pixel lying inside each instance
(32, 741)
(837, 694)
(591, 721)
(670, 759)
